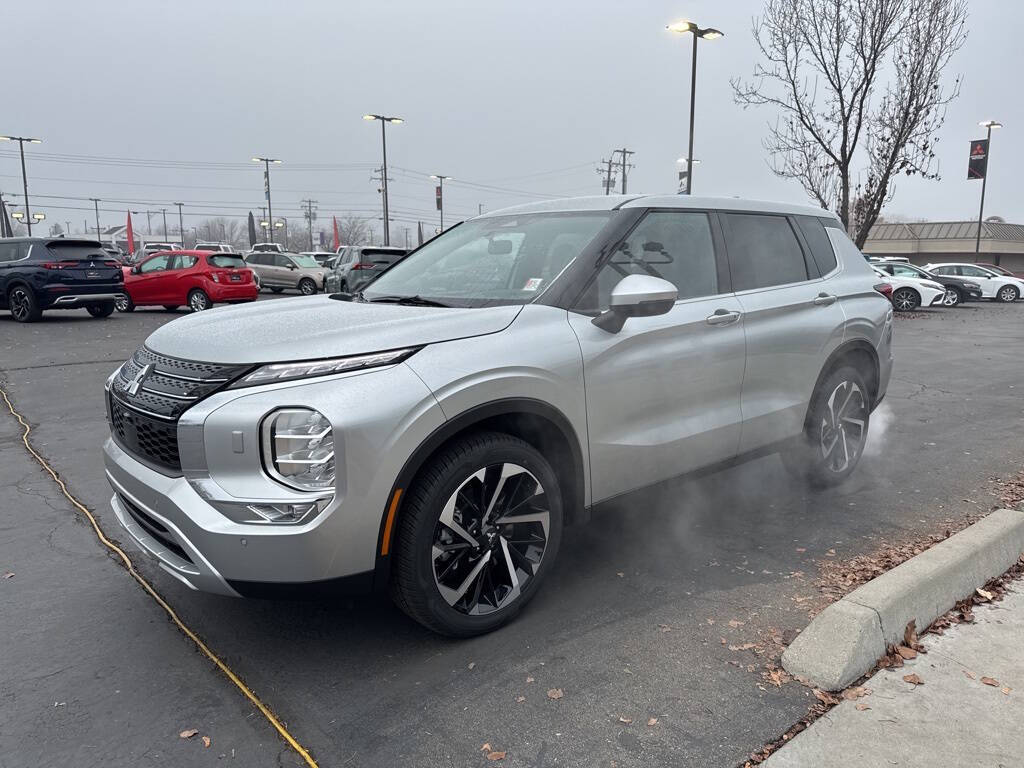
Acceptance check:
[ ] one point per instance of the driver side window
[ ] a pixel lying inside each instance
(156, 264)
(673, 245)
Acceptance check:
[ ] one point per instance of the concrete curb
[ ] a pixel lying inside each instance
(846, 639)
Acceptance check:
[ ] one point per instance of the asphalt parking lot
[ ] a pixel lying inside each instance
(635, 623)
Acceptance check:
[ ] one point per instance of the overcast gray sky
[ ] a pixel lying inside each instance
(515, 100)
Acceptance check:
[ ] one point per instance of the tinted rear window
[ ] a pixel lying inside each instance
(74, 251)
(226, 261)
(763, 251)
(821, 247)
(380, 256)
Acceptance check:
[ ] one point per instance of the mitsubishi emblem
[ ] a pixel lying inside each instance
(136, 382)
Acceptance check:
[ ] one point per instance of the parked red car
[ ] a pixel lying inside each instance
(197, 279)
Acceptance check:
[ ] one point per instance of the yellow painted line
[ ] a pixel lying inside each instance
(126, 561)
(385, 546)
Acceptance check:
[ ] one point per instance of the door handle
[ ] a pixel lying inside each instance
(722, 317)
(825, 299)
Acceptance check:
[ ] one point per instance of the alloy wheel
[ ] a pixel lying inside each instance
(904, 300)
(307, 287)
(121, 304)
(490, 539)
(952, 298)
(1008, 293)
(842, 426)
(198, 302)
(20, 303)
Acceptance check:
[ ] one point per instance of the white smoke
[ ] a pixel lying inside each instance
(881, 420)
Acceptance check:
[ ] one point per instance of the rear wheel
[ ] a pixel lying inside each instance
(198, 301)
(23, 305)
(124, 304)
(952, 298)
(906, 299)
(1008, 294)
(101, 309)
(480, 529)
(307, 287)
(835, 431)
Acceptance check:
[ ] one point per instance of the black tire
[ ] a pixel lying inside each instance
(953, 297)
(171, 307)
(809, 459)
(415, 583)
(343, 288)
(1008, 294)
(124, 304)
(23, 304)
(307, 287)
(100, 309)
(198, 300)
(277, 290)
(906, 299)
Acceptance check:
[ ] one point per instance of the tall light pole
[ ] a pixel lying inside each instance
(683, 27)
(164, 212)
(988, 125)
(24, 176)
(181, 224)
(96, 206)
(266, 187)
(440, 194)
(384, 120)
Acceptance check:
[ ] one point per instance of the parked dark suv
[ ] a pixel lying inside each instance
(39, 273)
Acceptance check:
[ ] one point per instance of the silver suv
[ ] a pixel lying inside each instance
(278, 271)
(435, 432)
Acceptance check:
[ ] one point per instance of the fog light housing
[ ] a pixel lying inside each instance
(276, 512)
(298, 449)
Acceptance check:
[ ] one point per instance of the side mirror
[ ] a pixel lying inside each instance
(636, 296)
(136, 269)
(291, 266)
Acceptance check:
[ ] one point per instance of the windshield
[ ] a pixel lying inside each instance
(227, 261)
(305, 261)
(497, 260)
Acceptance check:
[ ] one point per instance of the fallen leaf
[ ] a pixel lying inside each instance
(969, 674)
(983, 594)
(493, 756)
(723, 640)
(471, 665)
(188, 734)
(520, 698)
(906, 653)
(651, 722)
(862, 706)
(626, 720)
(486, 747)
(825, 697)
(990, 681)
(910, 634)
(8, 575)
(206, 741)
(664, 627)
(856, 693)
(1006, 691)
(913, 679)
(620, 574)
(529, 679)
(555, 693)
(736, 623)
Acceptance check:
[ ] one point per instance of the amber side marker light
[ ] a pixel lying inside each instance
(385, 545)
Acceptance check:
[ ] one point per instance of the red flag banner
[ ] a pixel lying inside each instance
(130, 234)
(337, 240)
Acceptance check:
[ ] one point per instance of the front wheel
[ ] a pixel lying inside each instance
(480, 529)
(101, 309)
(952, 298)
(1008, 294)
(198, 301)
(307, 287)
(835, 431)
(906, 299)
(124, 303)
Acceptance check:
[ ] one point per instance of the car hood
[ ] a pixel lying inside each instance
(306, 328)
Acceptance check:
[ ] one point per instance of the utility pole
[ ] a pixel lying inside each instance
(440, 194)
(181, 224)
(606, 171)
(164, 212)
(624, 163)
(310, 214)
(479, 208)
(96, 205)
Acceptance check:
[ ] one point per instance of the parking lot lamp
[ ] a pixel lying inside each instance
(988, 125)
(384, 120)
(24, 176)
(266, 186)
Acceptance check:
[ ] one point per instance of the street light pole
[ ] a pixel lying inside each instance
(181, 224)
(384, 171)
(96, 206)
(709, 33)
(988, 124)
(164, 212)
(440, 195)
(266, 187)
(24, 176)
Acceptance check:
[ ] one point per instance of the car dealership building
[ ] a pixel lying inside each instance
(935, 241)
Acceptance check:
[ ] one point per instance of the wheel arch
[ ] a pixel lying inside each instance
(538, 423)
(859, 353)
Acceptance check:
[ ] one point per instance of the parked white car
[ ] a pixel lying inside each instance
(993, 285)
(909, 293)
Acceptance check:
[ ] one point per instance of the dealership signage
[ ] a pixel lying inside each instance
(977, 163)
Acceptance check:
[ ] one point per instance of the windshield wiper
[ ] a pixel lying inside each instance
(410, 301)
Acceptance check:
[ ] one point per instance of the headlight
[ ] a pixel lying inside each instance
(298, 449)
(269, 374)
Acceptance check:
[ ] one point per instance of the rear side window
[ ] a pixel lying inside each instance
(184, 261)
(12, 251)
(817, 240)
(763, 251)
(226, 261)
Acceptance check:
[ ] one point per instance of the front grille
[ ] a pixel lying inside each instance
(144, 411)
(154, 528)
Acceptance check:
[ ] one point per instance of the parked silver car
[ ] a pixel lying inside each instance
(357, 265)
(436, 433)
(278, 271)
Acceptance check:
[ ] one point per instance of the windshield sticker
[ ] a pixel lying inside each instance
(533, 284)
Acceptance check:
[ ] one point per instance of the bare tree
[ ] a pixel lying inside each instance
(859, 85)
(223, 230)
(353, 230)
